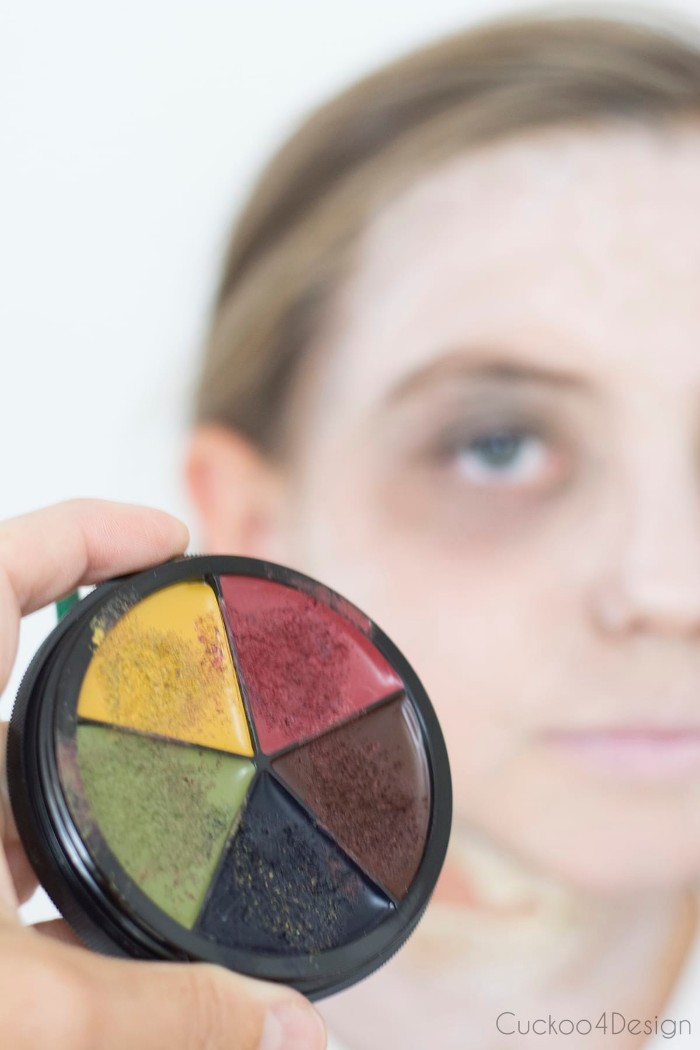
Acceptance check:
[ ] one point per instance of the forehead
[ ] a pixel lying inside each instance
(577, 246)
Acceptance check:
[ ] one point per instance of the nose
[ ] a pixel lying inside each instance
(651, 577)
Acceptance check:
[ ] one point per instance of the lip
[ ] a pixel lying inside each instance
(645, 752)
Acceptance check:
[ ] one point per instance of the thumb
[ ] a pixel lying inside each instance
(91, 1002)
(187, 1006)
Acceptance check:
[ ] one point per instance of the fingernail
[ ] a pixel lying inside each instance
(292, 1026)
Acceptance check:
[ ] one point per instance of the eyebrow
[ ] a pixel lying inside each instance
(486, 365)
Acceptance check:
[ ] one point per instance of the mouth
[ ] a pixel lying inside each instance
(643, 752)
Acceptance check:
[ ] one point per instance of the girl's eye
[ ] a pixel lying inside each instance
(502, 457)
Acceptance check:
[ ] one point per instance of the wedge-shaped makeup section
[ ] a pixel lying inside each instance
(304, 667)
(368, 783)
(284, 887)
(165, 810)
(165, 667)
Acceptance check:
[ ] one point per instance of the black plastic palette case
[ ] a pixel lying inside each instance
(221, 759)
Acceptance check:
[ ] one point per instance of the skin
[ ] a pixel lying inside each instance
(57, 995)
(545, 287)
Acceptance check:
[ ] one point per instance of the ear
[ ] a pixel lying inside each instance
(236, 492)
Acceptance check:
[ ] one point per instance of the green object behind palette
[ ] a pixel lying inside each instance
(64, 605)
(164, 809)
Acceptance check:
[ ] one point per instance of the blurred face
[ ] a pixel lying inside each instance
(499, 461)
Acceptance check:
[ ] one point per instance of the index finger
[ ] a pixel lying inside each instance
(47, 553)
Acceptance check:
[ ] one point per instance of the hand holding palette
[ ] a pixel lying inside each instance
(221, 759)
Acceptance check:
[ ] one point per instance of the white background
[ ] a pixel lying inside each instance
(129, 134)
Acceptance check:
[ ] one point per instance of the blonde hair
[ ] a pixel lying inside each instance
(292, 243)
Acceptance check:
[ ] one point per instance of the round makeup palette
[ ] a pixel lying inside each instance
(222, 759)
